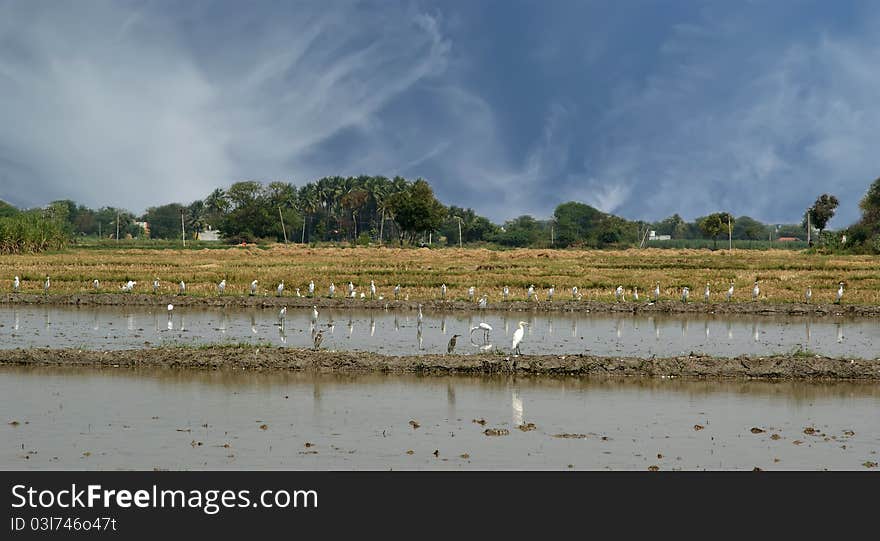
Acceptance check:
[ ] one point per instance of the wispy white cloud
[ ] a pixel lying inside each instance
(760, 132)
(109, 106)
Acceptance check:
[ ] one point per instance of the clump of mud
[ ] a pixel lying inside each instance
(780, 367)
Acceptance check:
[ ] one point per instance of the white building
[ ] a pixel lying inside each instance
(652, 235)
(211, 235)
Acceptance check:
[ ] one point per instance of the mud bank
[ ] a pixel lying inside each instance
(663, 306)
(269, 358)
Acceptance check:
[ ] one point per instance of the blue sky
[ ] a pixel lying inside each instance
(641, 108)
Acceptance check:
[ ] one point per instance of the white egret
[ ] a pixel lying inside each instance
(618, 293)
(396, 291)
(505, 293)
(280, 289)
(485, 328)
(483, 302)
(311, 288)
(808, 295)
(155, 286)
(363, 295)
(452, 341)
(352, 294)
(574, 292)
(16, 283)
(128, 286)
(531, 292)
(840, 292)
(755, 291)
(443, 291)
(350, 288)
(706, 293)
(550, 293)
(221, 287)
(96, 284)
(182, 287)
(170, 314)
(684, 294)
(254, 287)
(635, 294)
(314, 314)
(518, 337)
(657, 292)
(471, 293)
(46, 285)
(420, 317)
(281, 314)
(372, 290)
(332, 289)
(297, 293)
(730, 292)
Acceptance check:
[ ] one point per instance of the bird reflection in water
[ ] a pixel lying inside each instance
(516, 408)
(282, 336)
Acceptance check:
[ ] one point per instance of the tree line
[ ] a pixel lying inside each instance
(377, 209)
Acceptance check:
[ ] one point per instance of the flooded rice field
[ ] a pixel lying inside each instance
(399, 333)
(75, 418)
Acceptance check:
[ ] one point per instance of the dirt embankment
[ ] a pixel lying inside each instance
(270, 358)
(561, 305)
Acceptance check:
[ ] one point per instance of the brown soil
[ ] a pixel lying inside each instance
(664, 306)
(271, 358)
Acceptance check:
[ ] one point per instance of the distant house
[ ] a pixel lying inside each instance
(145, 226)
(788, 239)
(652, 235)
(209, 235)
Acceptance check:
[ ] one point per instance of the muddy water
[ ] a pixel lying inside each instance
(143, 419)
(392, 332)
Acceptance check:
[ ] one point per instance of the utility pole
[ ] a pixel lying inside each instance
(182, 229)
(808, 227)
(283, 230)
(117, 226)
(729, 234)
(99, 229)
(552, 240)
(459, 231)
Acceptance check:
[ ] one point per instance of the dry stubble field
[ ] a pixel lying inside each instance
(783, 274)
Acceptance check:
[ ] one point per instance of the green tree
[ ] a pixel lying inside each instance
(713, 224)
(821, 212)
(747, 228)
(7, 210)
(577, 223)
(416, 210)
(164, 221)
(519, 232)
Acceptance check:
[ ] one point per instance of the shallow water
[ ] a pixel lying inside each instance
(74, 418)
(393, 332)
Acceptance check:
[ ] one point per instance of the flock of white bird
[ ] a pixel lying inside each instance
(532, 295)
(483, 301)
